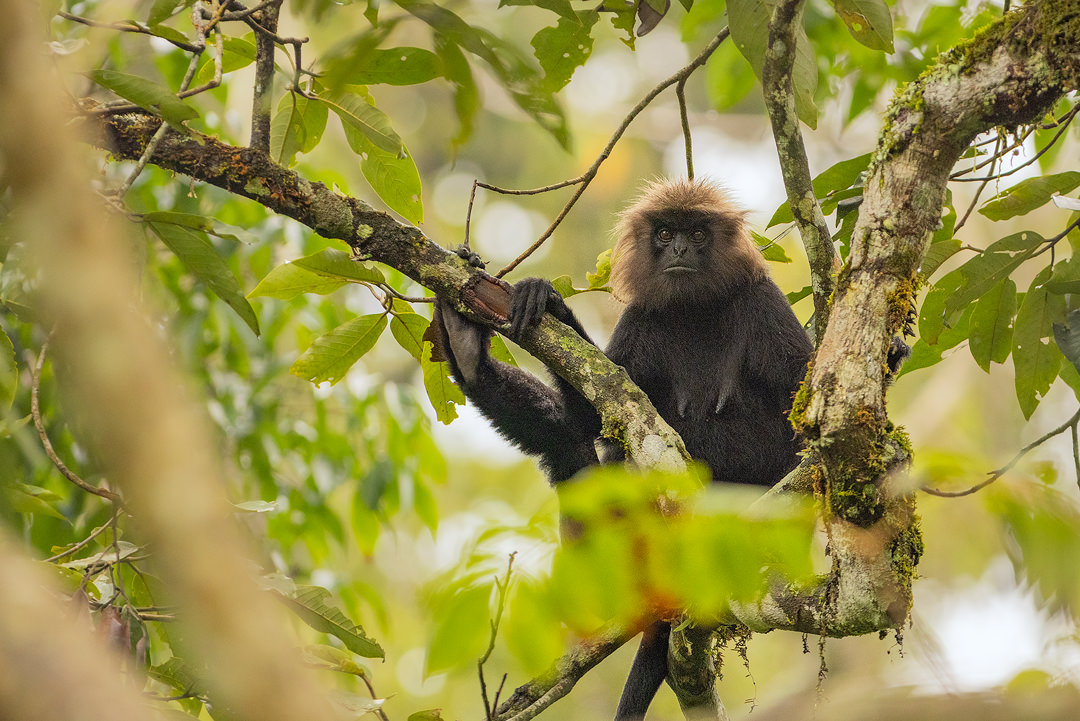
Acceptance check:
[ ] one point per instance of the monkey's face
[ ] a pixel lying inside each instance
(682, 244)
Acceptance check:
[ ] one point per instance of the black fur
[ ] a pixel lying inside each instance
(706, 334)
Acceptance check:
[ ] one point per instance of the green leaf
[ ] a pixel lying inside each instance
(869, 22)
(238, 53)
(797, 295)
(514, 71)
(397, 66)
(362, 120)
(466, 94)
(177, 674)
(562, 8)
(770, 249)
(1027, 195)
(321, 273)
(9, 372)
(937, 254)
(441, 389)
(333, 659)
(201, 258)
(297, 127)
(749, 23)
(1067, 337)
(162, 10)
(310, 604)
(728, 77)
(986, 269)
(408, 330)
(333, 354)
(146, 94)
(24, 498)
(564, 48)
(600, 277)
(991, 325)
(461, 631)
(434, 714)
(500, 352)
(837, 177)
(1035, 361)
(924, 354)
(394, 178)
(257, 506)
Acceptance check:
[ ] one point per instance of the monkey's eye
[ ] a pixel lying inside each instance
(665, 234)
(698, 236)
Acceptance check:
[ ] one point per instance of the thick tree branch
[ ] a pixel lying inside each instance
(626, 411)
(780, 102)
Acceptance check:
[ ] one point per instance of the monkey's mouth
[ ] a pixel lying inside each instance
(679, 269)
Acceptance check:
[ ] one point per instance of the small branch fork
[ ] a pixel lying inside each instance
(1069, 425)
(583, 180)
(504, 593)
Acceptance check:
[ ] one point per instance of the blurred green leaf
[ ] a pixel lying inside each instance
(461, 630)
(201, 258)
(334, 659)
(9, 372)
(146, 94)
(1029, 194)
(749, 23)
(331, 355)
(466, 94)
(24, 498)
(311, 605)
(564, 48)
(728, 77)
(238, 53)
(562, 8)
(397, 66)
(500, 352)
(162, 10)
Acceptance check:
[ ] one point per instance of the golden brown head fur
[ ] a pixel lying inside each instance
(734, 258)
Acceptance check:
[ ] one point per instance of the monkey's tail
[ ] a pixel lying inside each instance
(646, 674)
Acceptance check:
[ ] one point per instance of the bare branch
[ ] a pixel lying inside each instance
(583, 180)
(265, 46)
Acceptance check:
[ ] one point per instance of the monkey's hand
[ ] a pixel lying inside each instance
(465, 343)
(899, 351)
(531, 298)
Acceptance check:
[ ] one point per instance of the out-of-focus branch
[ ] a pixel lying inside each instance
(794, 165)
(263, 94)
(153, 440)
(39, 425)
(529, 700)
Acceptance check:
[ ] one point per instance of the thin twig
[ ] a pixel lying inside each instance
(583, 180)
(1064, 125)
(504, 589)
(1071, 423)
(35, 411)
(126, 28)
(995, 156)
(84, 542)
(374, 696)
(680, 93)
(468, 213)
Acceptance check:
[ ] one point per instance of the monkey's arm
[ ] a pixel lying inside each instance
(779, 348)
(527, 412)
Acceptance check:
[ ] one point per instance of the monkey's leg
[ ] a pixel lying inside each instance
(646, 674)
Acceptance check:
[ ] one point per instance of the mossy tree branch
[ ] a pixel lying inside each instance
(627, 414)
(794, 165)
